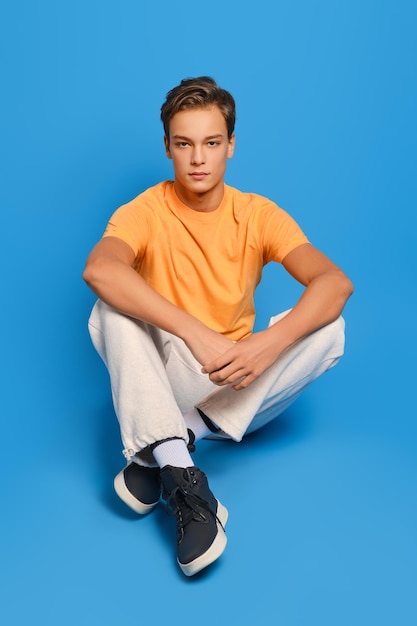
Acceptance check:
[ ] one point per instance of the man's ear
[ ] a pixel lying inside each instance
(167, 150)
(231, 147)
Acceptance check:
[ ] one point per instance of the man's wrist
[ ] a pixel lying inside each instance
(190, 329)
(281, 335)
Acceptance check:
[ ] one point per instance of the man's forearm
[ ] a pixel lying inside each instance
(122, 288)
(321, 303)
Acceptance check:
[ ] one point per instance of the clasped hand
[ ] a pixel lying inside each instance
(242, 363)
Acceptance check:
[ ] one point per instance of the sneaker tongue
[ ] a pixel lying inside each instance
(174, 477)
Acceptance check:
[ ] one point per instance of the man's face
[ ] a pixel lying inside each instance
(199, 148)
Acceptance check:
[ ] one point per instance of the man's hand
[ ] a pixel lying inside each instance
(207, 345)
(245, 361)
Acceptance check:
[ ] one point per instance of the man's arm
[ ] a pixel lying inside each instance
(109, 273)
(327, 290)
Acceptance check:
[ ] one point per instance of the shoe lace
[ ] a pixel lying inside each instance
(188, 506)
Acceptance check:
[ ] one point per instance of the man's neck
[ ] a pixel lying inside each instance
(204, 202)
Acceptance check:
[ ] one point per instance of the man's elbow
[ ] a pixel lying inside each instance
(92, 272)
(87, 276)
(345, 285)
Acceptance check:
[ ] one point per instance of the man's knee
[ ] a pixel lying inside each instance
(334, 334)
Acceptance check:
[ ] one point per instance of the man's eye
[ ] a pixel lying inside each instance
(213, 143)
(182, 144)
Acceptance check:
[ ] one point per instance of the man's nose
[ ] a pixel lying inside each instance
(197, 155)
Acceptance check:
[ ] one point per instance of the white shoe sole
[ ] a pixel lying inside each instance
(215, 550)
(125, 495)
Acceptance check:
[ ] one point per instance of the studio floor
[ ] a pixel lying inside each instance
(322, 503)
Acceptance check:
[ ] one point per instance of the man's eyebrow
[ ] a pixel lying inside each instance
(216, 136)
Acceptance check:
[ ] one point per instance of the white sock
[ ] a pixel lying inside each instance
(194, 422)
(173, 452)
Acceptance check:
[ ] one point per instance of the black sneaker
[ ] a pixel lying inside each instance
(139, 487)
(200, 517)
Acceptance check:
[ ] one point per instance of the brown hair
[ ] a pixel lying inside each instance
(201, 93)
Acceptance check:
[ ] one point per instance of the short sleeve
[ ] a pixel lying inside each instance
(280, 233)
(131, 224)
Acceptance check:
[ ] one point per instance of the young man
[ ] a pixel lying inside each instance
(175, 274)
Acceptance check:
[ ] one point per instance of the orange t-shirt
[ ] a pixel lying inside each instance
(208, 264)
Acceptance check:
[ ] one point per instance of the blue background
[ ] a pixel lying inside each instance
(322, 503)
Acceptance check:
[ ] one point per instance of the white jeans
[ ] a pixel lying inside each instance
(155, 379)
